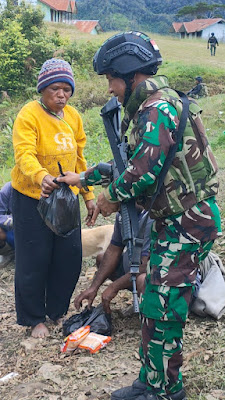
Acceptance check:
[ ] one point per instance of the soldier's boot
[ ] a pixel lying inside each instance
(175, 396)
(130, 392)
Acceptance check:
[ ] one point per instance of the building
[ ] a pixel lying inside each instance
(88, 26)
(54, 10)
(201, 28)
(58, 10)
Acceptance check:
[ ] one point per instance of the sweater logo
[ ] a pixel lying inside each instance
(63, 141)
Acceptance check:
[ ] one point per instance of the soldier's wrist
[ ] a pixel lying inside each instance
(83, 181)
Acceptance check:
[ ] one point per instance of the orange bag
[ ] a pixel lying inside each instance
(74, 339)
(94, 342)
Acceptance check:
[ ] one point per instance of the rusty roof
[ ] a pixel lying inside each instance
(196, 25)
(177, 26)
(61, 5)
(87, 26)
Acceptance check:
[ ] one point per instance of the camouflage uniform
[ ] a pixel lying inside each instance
(213, 42)
(186, 223)
(200, 90)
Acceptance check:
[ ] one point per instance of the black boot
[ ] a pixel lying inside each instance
(175, 396)
(137, 389)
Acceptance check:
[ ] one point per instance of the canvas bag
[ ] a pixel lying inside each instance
(211, 295)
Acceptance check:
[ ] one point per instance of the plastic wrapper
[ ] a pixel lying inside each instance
(99, 321)
(94, 342)
(72, 341)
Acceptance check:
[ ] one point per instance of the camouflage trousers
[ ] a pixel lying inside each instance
(163, 312)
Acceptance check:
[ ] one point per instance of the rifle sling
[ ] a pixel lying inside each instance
(178, 134)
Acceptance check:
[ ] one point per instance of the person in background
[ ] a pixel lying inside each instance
(185, 212)
(114, 265)
(46, 132)
(199, 90)
(212, 42)
(6, 225)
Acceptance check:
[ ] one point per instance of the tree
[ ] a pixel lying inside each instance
(200, 10)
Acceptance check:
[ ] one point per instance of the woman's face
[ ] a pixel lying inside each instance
(56, 95)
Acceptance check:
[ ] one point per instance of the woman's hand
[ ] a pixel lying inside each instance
(47, 185)
(90, 205)
(71, 178)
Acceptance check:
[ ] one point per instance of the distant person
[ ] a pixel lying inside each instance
(212, 42)
(199, 90)
(6, 225)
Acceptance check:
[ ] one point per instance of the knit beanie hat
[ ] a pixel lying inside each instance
(55, 70)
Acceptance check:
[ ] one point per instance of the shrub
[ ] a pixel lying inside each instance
(6, 154)
(30, 17)
(97, 148)
(14, 51)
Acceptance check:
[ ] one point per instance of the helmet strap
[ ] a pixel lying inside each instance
(129, 80)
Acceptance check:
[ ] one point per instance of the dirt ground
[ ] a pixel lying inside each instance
(44, 373)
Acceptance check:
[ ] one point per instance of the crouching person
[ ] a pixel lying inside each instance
(6, 225)
(114, 265)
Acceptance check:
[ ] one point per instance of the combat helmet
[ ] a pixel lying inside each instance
(126, 53)
(198, 78)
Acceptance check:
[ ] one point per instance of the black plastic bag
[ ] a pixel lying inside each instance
(99, 321)
(60, 211)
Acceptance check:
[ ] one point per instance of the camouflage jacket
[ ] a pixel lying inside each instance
(198, 91)
(155, 110)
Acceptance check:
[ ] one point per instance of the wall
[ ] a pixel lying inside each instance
(217, 29)
(45, 9)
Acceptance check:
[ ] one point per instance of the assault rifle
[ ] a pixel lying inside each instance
(132, 238)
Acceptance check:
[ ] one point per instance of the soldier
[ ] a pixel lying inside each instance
(186, 215)
(199, 90)
(212, 42)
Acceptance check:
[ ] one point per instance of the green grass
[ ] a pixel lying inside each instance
(214, 121)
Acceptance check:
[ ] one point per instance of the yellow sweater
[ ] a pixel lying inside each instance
(40, 140)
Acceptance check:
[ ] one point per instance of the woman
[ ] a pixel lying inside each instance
(45, 132)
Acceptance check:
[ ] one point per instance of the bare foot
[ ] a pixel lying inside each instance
(40, 331)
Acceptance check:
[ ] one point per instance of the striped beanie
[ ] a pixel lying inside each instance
(55, 70)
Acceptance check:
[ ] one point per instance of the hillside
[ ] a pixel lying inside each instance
(129, 14)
